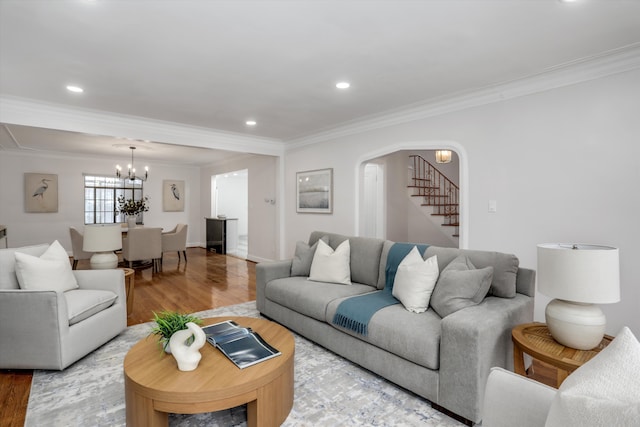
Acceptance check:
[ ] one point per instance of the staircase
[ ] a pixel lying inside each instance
(437, 191)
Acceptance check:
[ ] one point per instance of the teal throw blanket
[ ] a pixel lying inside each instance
(355, 313)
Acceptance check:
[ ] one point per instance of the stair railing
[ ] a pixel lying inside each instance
(437, 190)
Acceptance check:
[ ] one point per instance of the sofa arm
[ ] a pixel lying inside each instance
(473, 340)
(512, 399)
(104, 280)
(266, 272)
(31, 325)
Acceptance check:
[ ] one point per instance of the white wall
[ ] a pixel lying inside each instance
(263, 227)
(32, 228)
(563, 166)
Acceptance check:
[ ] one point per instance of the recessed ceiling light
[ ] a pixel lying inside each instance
(343, 85)
(76, 89)
(251, 123)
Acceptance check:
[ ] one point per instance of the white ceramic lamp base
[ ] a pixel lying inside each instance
(576, 325)
(103, 260)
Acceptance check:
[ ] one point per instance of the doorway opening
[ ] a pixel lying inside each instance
(393, 207)
(230, 201)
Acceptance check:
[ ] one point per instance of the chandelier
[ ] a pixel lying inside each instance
(131, 174)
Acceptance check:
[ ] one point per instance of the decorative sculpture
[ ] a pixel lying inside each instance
(187, 355)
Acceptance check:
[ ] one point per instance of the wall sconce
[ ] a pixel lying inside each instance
(443, 156)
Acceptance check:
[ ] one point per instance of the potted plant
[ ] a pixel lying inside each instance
(169, 322)
(131, 208)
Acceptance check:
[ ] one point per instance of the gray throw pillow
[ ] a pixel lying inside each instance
(460, 285)
(303, 257)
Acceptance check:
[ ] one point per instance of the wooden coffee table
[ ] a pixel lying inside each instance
(154, 387)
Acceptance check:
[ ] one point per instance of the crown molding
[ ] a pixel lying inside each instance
(28, 112)
(585, 69)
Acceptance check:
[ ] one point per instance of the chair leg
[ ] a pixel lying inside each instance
(75, 264)
(184, 254)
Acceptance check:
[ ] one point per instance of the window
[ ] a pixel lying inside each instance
(101, 195)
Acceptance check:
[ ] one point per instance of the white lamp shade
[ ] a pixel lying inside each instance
(102, 238)
(579, 273)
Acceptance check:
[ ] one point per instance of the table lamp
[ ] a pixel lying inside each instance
(103, 240)
(578, 276)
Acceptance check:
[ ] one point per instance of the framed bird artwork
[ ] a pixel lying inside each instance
(173, 196)
(40, 192)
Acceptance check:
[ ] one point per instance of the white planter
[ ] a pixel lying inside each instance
(131, 221)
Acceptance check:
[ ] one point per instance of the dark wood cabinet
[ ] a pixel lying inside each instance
(221, 234)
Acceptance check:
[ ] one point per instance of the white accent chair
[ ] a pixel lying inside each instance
(142, 244)
(176, 240)
(48, 329)
(603, 392)
(77, 240)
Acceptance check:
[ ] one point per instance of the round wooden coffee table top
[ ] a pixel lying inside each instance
(152, 375)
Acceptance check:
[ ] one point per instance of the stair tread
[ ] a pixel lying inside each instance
(457, 224)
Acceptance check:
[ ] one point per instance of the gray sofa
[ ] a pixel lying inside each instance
(445, 360)
(49, 329)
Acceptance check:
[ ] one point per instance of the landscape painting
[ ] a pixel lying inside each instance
(314, 191)
(40, 192)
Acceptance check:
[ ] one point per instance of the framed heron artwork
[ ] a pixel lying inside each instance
(173, 196)
(40, 192)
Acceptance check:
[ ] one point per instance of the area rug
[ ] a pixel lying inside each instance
(329, 390)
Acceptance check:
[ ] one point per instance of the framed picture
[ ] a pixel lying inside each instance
(40, 192)
(173, 196)
(314, 191)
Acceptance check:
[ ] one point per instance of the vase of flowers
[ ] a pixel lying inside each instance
(169, 322)
(131, 208)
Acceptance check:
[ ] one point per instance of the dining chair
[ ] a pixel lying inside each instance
(142, 244)
(77, 240)
(175, 240)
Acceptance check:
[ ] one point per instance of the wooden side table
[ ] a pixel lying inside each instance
(129, 282)
(536, 340)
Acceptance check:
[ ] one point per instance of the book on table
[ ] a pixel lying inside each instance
(242, 346)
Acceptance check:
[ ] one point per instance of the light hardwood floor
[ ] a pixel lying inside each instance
(206, 281)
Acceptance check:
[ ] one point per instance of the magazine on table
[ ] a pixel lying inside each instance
(242, 346)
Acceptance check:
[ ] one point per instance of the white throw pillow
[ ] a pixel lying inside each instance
(605, 391)
(415, 280)
(331, 266)
(49, 272)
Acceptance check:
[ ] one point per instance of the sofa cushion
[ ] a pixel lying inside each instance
(415, 280)
(604, 391)
(303, 257)
(505, 267)
(308, 297)
(460, 285)
(8, 278)
(365, 255)
(84, 303)
(412, 336)
(51, 271)
(330, 265)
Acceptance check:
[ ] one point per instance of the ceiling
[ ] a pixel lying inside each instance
(215, 64)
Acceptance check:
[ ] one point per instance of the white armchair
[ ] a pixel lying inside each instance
(175, 240)
(603, 392)
(49, 329)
